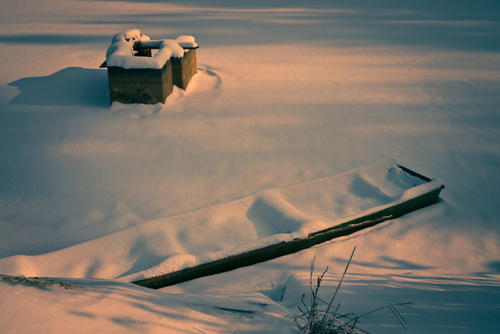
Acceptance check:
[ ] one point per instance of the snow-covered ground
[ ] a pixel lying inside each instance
(287, 93)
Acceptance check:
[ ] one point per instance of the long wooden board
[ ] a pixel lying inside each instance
(364, 220)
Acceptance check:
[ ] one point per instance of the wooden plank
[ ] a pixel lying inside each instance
(288, 247)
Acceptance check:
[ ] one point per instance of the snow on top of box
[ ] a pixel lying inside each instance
(187, 41)
(131, 35)
(121, 51)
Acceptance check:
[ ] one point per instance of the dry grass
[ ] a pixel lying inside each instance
(317, 316)
(36, 282)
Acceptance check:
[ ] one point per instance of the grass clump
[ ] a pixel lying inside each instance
(36, 282)
(317, 316)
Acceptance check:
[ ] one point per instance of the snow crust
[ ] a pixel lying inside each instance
(121, 52)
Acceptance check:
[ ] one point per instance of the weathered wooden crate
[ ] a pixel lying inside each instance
(148, 86)
(184, 68)
(151, 79)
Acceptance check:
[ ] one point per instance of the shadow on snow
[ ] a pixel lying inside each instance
(72, 86)
(42, 39)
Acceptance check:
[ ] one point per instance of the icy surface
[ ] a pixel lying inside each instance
(286, 93)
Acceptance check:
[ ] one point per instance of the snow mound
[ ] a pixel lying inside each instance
(267, 217)
(61, 305)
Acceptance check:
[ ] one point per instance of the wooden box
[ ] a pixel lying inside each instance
(148, 86)
(149, 80)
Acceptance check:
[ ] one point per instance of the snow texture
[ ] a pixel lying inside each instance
(199, 236)
(274, 137)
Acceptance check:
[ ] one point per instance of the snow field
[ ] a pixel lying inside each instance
(283, 96)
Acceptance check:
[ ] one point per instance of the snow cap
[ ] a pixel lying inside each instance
(121, 51)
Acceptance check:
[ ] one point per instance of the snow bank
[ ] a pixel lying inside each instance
(267, 217)
(121, 51)
(58, 305)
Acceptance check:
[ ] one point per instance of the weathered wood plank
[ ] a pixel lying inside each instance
(156, 44)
